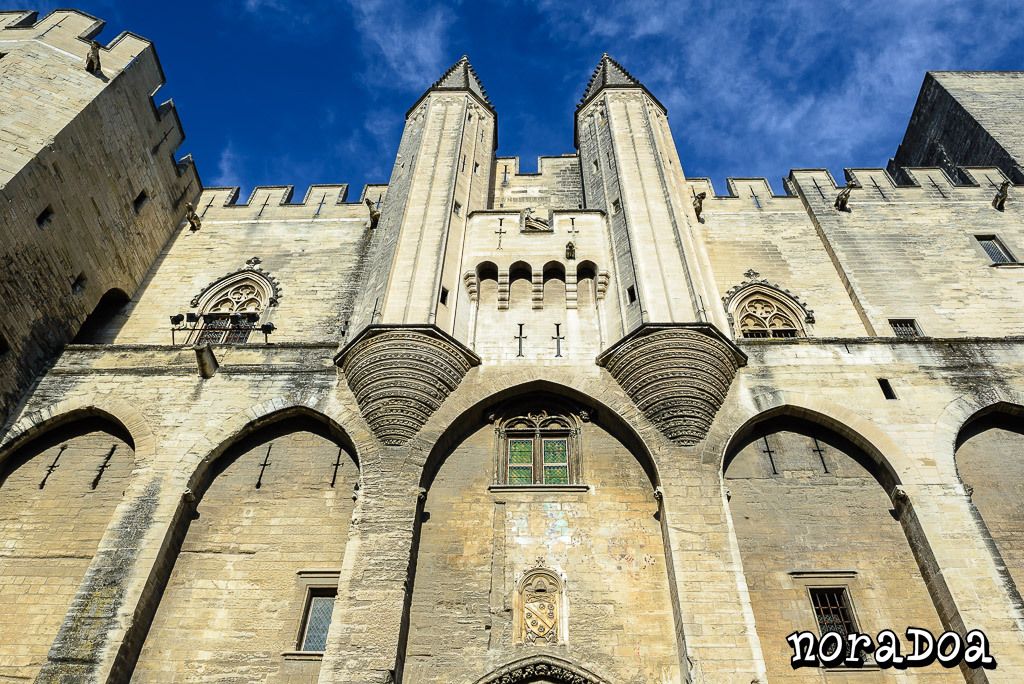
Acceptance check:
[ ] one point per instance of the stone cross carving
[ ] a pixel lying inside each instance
(558, 340)
(843, 199)
(999, 201)
(520, 337)
(374, 212)
(194, 222)
(92, 60)
(698, 204)
(501, 231)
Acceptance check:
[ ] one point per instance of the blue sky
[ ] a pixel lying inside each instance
(278, 92)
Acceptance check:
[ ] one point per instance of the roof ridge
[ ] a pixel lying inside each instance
(607, 67)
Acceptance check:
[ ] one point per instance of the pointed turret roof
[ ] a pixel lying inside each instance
(611, 74)
(460, 76)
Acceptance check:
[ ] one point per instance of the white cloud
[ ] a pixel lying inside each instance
(229, 171)
(755, 88)
(407, 44)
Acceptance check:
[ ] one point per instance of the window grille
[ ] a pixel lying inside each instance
(317, 619)
(995, 249)
(556, 461)
(905, 327)
(538, 449)
(520, 461)
(832, 611)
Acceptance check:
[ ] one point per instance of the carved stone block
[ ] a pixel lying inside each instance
(400, 375)
(677, 374)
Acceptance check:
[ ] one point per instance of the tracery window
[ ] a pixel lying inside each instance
(232, 307)
(761, 316)
(538, 449)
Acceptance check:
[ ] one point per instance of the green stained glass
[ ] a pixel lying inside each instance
(556, 474)
(554, 451)
(520, 475)
(520, 451)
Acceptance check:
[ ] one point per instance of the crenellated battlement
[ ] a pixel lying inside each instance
(270, 202)
(70, 32)
(910, 184)
(755, 192)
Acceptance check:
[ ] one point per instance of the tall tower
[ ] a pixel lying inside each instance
(674, 360)
(407, 309)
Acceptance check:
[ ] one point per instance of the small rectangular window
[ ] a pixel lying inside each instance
(463, 163)
(616, 207)
(458, 209)
(887, 389)
(45, 217)
(905, 327)
(597, 167)
(520, 461)
(995, 249)
(4, 346)
(140, 201)
(832, 611)
(317, 619)
(444, 296)
(556, 461)
(631, 294)
(476, 168)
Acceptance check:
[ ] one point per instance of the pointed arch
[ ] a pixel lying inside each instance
(267, 290)
(230, 308)
(541, 668)
(759, 309)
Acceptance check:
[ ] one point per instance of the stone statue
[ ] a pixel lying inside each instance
(843, 199)
(92, 60)
(570, 251)
(374, 212)
(194, 222)
(698, 204)
(999, 201)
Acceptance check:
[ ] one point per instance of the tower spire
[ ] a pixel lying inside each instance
(610, 74)
(460, 76)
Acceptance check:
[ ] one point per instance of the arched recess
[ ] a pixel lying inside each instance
(106, 319)
(989, 459)
(520, 284)
(260, 534)
(61, 477)
(818, 537)
(601, 536)
(554, 285)
(586, 282)
(542, 669)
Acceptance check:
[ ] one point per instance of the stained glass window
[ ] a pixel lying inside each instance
(556, 461)
(520, 461)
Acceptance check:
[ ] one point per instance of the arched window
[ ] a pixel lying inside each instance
(539, 449)
(540, 607)
(760, 316)
(230, 308)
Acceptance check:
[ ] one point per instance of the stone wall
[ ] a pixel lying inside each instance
(89, 185)
(477, 544)
(57, 496)
(234, 602)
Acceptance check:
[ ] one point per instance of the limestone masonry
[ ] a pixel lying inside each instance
(596, 424)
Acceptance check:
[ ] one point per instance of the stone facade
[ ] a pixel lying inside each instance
(584, 425)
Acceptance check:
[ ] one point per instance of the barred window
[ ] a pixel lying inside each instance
(995, 249)
(833, 613)
(904, 327)
(317, 619)
(537, 449)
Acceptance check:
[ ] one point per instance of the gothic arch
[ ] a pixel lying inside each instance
(541, 668)
(267, 423)
(449, 435)
(267, 289)
(758, 308)
(37, 423)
